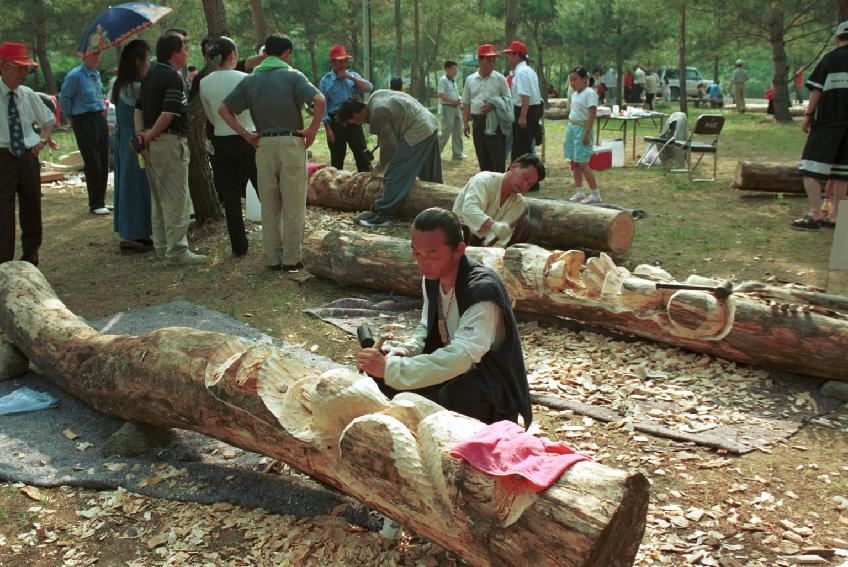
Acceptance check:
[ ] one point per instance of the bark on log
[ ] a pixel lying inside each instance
(333, 424)
(564, 225)
(768, 177)
(760, 328)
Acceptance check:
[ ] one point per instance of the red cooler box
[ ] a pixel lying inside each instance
(601, 159)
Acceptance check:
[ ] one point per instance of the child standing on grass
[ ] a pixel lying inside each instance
(578, 137)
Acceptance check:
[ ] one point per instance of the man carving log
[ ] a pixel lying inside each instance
(466, 353)
(333, 425)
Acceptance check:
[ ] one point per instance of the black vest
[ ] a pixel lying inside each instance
(502, 369)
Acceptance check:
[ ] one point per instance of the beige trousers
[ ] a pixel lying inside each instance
(739, 97)
(167, 172)
(281, 175)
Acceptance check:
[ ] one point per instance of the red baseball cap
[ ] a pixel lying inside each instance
(487, 50)
(17, 54)
(516, 47)
(339, 52)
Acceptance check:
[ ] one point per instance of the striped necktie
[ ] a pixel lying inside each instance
(16, 131)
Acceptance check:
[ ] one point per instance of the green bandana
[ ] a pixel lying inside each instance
(271, 63)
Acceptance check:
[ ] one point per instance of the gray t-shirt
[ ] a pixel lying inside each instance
(275, 99)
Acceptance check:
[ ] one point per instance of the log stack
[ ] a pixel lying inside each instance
(334, 425)
(772, 178)
(806, 333)
(564, 225)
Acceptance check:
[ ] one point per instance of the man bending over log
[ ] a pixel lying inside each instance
(466, 353)
(408, 135)
(490, 205)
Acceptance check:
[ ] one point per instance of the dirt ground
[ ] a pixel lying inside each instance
(708, 508)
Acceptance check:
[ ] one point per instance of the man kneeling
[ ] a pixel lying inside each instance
(466, 353)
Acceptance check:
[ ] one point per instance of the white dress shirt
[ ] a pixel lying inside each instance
(480, 90)
(31, 110)
(525, 82)
(480, 200)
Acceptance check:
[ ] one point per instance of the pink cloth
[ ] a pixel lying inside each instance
(504, 449)
(313, 167)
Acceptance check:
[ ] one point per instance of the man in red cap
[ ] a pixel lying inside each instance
(337, 86)
(484, 92)
(526, 100)
(20, 109)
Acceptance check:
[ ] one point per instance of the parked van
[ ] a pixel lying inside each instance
(693, 78)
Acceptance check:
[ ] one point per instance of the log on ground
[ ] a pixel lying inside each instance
(771, 329)
(772, 178)
(334, 425)
(564, 225)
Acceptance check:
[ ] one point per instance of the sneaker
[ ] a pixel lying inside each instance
(578, 197)
(100, 211)
(459, 158)
(274, 268)
(189, 259)
(376, 221)
(292, 268)
(364, 215)
(591, 199)
(110, 207)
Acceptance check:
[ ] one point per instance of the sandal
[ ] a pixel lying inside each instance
(828, 223)
(807, 222)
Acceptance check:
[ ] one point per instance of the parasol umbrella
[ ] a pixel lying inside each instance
(118, 23)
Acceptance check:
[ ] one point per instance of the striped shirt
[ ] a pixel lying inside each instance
(831, 78)
(164, 91)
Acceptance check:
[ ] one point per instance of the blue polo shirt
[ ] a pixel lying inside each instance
(82, 92)
(336, 91)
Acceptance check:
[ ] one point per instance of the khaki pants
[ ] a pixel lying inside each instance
(167, 172)
(739, 97)
(281, 174)
(451, 129)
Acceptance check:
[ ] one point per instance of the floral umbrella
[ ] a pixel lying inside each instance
(118, 23)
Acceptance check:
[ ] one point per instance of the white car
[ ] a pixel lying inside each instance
(693, 79)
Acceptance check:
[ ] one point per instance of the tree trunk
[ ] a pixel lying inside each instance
(354, 13)
(781, 66)
(681, 60)
(313, 57)
(333, 424)
(842, 10)
(760, 328)
(259, 20)
(511, 20)
(564, 225)
(201, 184)
(416, 88)
(540, 63)
(41, 47)
(768, 177)
(216, 18)
(398, 68)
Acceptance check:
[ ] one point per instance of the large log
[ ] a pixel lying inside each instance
(564, 225)
(797, 332)
(333, 424)
(768, 177)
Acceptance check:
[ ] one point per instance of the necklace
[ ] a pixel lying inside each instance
(443, 315)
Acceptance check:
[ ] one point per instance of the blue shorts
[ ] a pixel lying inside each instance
(573, 148)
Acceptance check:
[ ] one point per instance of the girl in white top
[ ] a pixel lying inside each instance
(234, 159)
(578, 137)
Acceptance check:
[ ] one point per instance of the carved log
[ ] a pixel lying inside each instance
(333, 424)
(760, 327)
(768, 177)
(564, 225)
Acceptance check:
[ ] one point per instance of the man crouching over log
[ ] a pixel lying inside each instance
(466, 353)
(491, 208)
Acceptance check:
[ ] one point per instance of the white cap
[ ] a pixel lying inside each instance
(738, 61)
(842, 28)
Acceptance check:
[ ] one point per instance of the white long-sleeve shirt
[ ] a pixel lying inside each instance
(480, 201)
(480, 329)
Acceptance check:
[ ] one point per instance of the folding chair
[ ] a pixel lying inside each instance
(707, 126)
(660, 143)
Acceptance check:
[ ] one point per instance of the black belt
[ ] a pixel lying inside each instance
(179, 133)
(276, 134)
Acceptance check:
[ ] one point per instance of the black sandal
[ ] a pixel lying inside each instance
(807, 222)
(827, 223)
